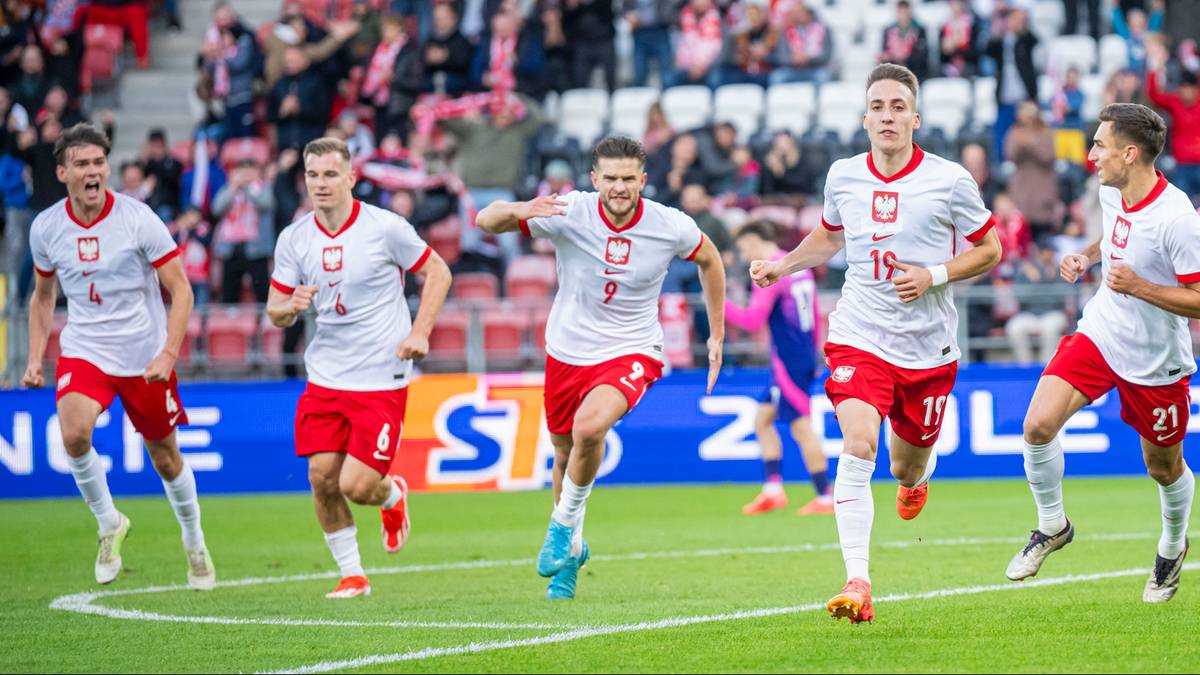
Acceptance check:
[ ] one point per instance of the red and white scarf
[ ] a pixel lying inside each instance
(383, 61)
(808, 39)
(503, 63)
(240, 224)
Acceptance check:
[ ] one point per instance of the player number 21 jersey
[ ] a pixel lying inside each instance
(609, 278)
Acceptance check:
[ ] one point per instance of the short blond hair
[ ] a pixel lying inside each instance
(326, 146)
(892, 71)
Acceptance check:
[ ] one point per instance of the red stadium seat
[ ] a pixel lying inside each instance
(449, 337)
(530, 276)
(476, 286)
(539, 317)
(445, 238)
(194, 330)
(272, 341)
(229, 333)
(183, 152)
(503, 334)
(104, 36)
(237, 150)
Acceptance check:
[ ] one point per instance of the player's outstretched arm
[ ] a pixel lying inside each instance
(979, 259)
(817, 248)
(284, 308)
(433, 295)
(174, 279)
(712, 280)
(500, 217)
(41, 316)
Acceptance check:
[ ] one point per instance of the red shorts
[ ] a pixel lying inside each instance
(153, 407)
(567, 385)
(365, 424)
(914, 399)
(1157, 414)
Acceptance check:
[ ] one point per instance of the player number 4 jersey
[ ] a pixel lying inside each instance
(609, 278)
(362, 314)
(115, 315)
(1160, 239)
(915, 216)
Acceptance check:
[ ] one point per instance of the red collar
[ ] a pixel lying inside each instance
(1158, 190)
(350, 221)
(109, 200)
(637, 215)
(913, 163)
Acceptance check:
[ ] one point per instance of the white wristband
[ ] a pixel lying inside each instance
(939, 274)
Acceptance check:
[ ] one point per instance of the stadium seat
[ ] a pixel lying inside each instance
(933, 15)
(630, 107)
(448, 341)
(230, 331)
(985, 101)
(102, 45)
(195, 329)
(783, 216)
(856, 65)
(530, 276)
(584, 114)
(741, 105)
(1065, 51)
(476, 286)
(790, 107)
(808, 218)
(1047, 87)
(256, 149)
(1092, 87)
(687, 107)
(876, 19)
(945, 103)
(840, 108)
(1046, 19)
(503, 335)
(1114, 55)
(445, 236)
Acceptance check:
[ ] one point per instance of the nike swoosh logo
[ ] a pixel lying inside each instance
(334, 283)
(171, 422)
(843, 501)
(609, 272)
(929, 435)
(381, 457)
(88, 274)
(1114, 256)
(1163, 438)
(876, 237)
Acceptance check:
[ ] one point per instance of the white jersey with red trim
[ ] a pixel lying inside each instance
(115, 315)
(914, 216)
(362, 314)
(1160, 239)
(609, 278)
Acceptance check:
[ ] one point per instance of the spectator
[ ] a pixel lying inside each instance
(557, 180)
(132, 16)
(1011, 47)
(447, 54)
(35, 147)
(486, 148)
(719, 160)
(167, 172)
(358, 136)
(752, 49)
(134, 183)
(1183, 106)
(959, 41)
(1125, 86)
(194, 236)
(699, 45)
(590, 31)
(509, 59)
(1067, 105)
(58, 104)
(286, 187)
(658, 130)
(805, 48)
(64, 58)
(650, 22)
(785, 175)
(1135, 27)
(1033, 184)
(359, 48)
(299, 103)
(233, 62)
(680, 168)
(17, 214)
(245, 234)
(975, 161)
(1013, 230)
(1071, 17)
(18, 30)
(394, 77)
(905, 43)
(203, 180)
(1042, 307)
(293, 30)
(30, 88)
(695, 201)
(554, 46)
(1072, 240)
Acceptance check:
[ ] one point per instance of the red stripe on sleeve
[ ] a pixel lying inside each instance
(979, 234)
(696, 251)
(831, 228)
(1183, 278)
(43, 273)
(281, 288)
(524, 224)
(421, 261)
(166, 258)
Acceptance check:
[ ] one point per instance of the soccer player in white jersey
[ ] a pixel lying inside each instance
(1133, 336)
(347, 259)
(604, 343)
(111, 253)
(892, 349)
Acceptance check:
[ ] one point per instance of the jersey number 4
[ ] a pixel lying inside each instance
(94, 296)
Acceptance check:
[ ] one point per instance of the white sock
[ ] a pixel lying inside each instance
(93, 485)
(393, 498)
(772, 488)
(929, 467)
(1176, 500)
(577, 537)
(343, 544)
(181, 492)
(569, 510)
(1044, 471)
(854, 507)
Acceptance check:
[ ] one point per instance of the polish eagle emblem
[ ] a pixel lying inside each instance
(617, 252)
(331, 258)
(883, 206)
(89, 249)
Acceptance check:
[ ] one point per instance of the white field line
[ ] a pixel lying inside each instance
(85, 603)
(581, 633)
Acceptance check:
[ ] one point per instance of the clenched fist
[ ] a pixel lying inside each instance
(302, 298)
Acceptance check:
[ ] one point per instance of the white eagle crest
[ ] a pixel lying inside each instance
(89, 249)
(332, 257)
(618, 251)
(1121, 232)
(885, 206)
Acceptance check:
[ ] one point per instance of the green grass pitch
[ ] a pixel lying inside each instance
(680, 581)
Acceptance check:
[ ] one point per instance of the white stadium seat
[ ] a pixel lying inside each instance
(740, 104)
(791, 106)
(840, 108)
(985, 100)
(630, 107)
(1065, 51)
(1114, 54)
(583, 114)
(687, 107)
